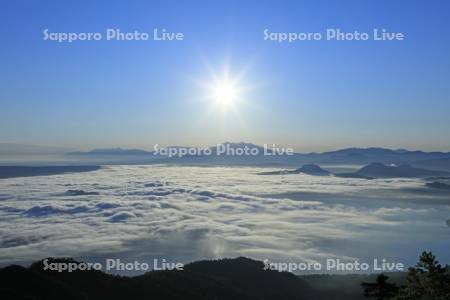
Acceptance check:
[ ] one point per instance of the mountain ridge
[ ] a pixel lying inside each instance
(343, 151)
(263, 157)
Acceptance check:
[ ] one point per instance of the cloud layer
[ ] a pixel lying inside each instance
(191, 213)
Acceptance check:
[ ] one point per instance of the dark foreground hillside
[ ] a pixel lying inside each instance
(239, 278)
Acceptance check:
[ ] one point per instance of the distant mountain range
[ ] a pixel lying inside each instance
(265, 157)
(254, 155)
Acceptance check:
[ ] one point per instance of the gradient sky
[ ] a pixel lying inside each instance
(311, 95)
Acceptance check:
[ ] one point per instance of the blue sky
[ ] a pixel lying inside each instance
(311, 95)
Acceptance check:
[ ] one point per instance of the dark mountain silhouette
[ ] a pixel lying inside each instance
(379, 170)
(310, 169)
(225, 279)
(239, 278)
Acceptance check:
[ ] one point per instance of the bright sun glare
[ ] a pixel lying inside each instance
(225, 93)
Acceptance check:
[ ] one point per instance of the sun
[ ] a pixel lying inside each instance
(225, 93)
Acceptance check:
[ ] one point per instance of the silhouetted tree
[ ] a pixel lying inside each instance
(380, 289)
(427, 280)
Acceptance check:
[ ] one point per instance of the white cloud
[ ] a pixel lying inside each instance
(191, 213)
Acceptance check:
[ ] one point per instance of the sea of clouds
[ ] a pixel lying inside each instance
(191, 213)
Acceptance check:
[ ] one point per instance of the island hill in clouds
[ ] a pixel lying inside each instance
(310, 169)
(439, 161)
(370, 171)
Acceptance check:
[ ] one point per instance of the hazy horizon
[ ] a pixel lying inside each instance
(224, 81)
(21, 149)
